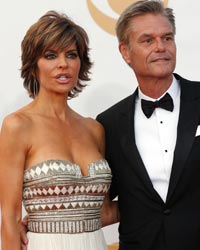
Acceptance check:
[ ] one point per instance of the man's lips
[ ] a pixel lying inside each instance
(158, 59)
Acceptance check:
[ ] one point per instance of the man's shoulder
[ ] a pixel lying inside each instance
(190, 89)
(186, 81)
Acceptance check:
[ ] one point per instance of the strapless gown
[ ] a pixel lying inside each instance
(64, 207)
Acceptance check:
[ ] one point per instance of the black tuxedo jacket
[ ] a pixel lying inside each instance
(146, 222)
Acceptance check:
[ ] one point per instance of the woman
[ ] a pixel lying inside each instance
(51, 157)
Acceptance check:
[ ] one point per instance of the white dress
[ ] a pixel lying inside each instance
(64, 206)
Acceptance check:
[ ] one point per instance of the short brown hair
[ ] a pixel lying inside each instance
(140, 8)
(53, 30)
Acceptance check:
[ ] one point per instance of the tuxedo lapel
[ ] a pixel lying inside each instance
(127, 139)
(187, 125)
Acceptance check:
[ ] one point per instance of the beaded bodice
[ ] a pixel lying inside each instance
(59, 199)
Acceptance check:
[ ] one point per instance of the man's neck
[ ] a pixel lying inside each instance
(155, 88)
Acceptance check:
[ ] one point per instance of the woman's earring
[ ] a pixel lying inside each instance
(35, 88)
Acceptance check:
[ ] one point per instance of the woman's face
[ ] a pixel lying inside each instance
(58, 71)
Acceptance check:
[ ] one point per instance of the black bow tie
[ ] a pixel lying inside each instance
(165, 102)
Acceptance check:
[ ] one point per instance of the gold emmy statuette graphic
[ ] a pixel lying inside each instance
(106, 22)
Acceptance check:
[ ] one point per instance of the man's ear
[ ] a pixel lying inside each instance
(125, 52)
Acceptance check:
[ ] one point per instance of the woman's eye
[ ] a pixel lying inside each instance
(72, 55)
(50, 56)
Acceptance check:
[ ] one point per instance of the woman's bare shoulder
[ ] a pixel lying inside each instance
(94, 124)
(16, 121)
(97, 131)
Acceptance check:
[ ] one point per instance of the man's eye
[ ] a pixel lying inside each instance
(168, 38)
(149, 40)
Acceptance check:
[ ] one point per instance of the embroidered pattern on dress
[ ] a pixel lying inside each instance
(58, 199)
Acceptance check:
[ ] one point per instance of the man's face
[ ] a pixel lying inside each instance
(152, 50)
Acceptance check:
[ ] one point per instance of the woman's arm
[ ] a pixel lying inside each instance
(12, 158)
(109, 210)
(23, 233)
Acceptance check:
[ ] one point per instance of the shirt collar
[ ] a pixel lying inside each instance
(173, 90)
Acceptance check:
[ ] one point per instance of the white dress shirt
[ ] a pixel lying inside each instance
(156, 138)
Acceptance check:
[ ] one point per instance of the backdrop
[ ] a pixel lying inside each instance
(112, 79)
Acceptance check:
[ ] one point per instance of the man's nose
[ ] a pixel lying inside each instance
(159, 45)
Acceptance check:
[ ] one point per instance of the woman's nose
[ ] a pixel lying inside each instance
(62, 62)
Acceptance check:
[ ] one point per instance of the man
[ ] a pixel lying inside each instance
(153, 149)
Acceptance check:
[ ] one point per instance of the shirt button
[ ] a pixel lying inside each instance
(167, 211)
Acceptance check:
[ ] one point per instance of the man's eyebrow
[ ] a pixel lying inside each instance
(151, 34)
